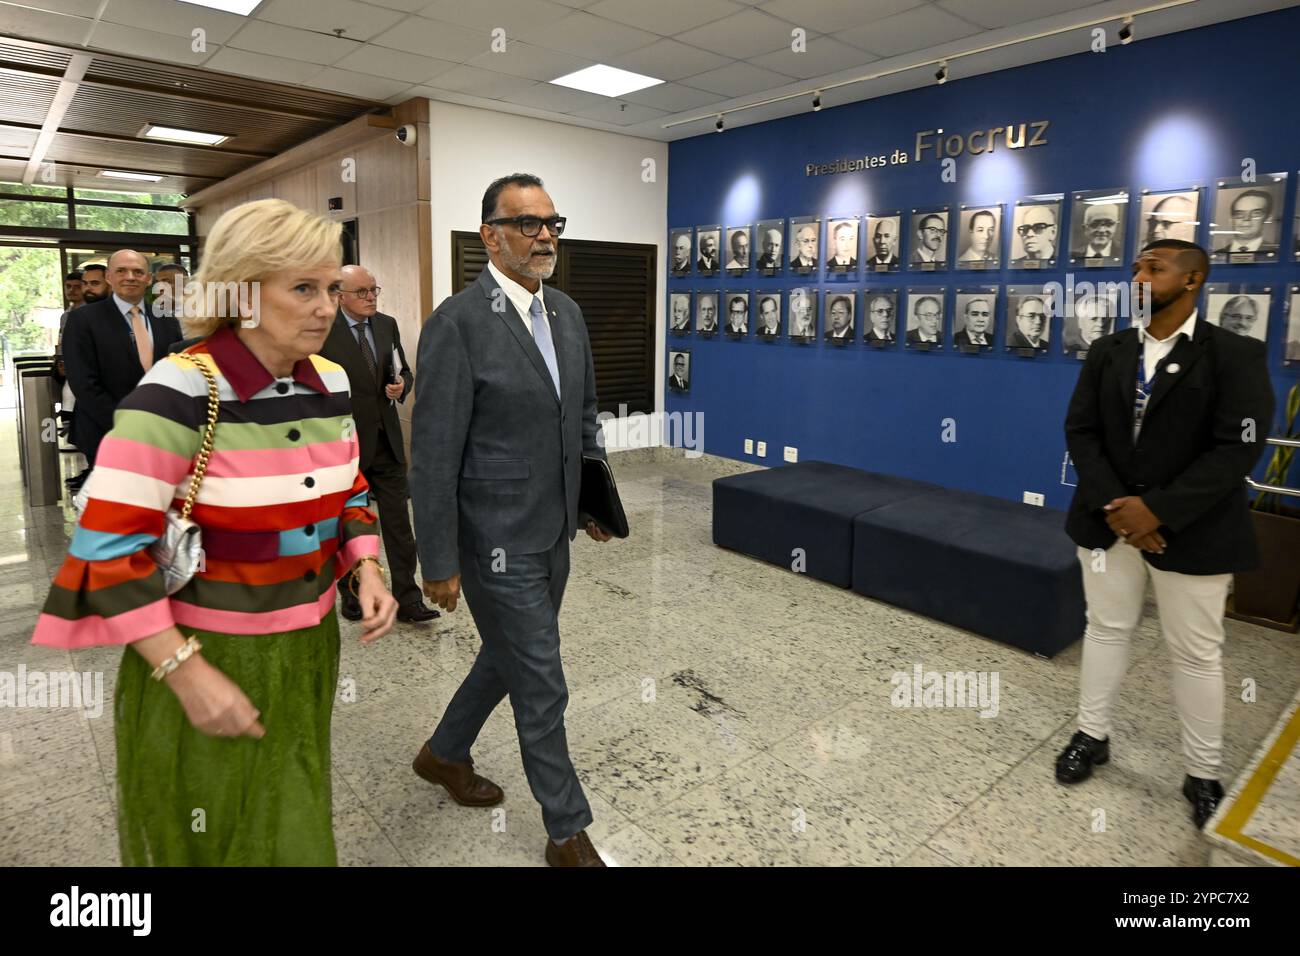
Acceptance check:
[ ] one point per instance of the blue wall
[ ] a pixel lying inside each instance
(1161, 113)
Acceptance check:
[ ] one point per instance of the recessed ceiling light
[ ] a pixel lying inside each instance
(176, 135)
(120, 174)
(606, 80)
(241, 7)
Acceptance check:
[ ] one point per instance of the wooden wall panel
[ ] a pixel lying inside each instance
(386, 175)
(298, 188)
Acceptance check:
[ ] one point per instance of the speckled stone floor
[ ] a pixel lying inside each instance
(722, 711)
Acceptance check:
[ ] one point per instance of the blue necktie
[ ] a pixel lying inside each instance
(545, 345)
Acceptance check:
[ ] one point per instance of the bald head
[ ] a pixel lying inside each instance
(128, 275)
(358, 292)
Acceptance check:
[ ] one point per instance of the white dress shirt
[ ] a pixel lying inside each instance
(1154, 350)
(520, 297)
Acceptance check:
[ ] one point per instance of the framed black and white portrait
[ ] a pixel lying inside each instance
(1098, 225)
(767, 316)
(880, 317)
(838, 321)
(804, 247)
(679, 370)
(925, 318)
(884, 240)
(842, 247)
(1292, 353)
(929, 238)
(1036, 232)
(1092, 312)
(708, 250)
(1169, 214)
(706, 314)
(1239, 308)
(736, 323)
(1247, 222)
(769, 237)
(974, 319)
(1029, 319)
(738, 250)
(979, 237)
(801, 314)
(679, 313)
(679, 252)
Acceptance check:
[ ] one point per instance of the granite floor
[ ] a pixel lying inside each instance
(722, 711)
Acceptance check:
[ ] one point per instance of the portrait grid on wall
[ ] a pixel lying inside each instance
(1036, 232)
(1247, 223)
(880, 317)
(929, 240)
(1292, 352)
(801, 314)
(706, 314)
(974, 319)
(1169, 214)
(804, 248)
(1029, 319)
(842, 247)
(679, 313)
(838, 322)
(679, 251)
(738, 254)
(767, 315)
(708, 250)
(925, 311)
(769, 240)
(1092, 313)
(1098, 225)
(1243, 309)
(979, 237)
(736, 316)
(884, 241)
(679, 370)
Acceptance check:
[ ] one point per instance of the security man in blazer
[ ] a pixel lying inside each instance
(505, 411)
(1166, 421)
(376, 392)
(101, 353)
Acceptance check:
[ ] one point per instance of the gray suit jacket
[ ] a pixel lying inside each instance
(496, 458)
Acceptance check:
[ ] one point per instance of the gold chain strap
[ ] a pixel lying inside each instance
(205, 452)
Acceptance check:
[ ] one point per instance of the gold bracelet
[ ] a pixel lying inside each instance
(183, 654)
(353, 577)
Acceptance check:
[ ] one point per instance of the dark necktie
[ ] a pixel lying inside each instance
(367, 355)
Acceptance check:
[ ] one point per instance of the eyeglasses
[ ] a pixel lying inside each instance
(1253, 215)
(1236, 317)
(370, 293)
(1100, 224)
(1034, 316)
(532, 225)
(1037, 228)
(927, 315)
(884, 311)
(937, 230)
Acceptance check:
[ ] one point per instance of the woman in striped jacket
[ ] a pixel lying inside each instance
(224, 758)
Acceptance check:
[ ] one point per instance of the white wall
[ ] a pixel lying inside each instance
(594, 178)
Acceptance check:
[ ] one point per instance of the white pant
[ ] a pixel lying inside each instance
(1191, 618)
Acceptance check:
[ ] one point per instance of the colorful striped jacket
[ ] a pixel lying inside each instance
(283, 508)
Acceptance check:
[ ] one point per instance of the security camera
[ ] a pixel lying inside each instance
(406, 135)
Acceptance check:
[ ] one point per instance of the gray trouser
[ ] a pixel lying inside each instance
(516, 610)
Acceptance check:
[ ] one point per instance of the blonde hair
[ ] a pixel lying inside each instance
(247, 244)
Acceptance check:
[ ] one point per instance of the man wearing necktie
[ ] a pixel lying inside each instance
(505, 411)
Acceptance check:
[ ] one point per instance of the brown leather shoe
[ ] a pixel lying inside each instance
(465, 786)
(575, 851)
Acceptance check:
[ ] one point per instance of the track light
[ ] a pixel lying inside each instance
(942, 76)
(718, 126)
(1126, 31)
(817, 101)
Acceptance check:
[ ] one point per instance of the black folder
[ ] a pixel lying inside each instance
(598, 498)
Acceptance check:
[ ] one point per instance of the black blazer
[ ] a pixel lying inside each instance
(1018, 341)
(370, 408)
(1189, 463)
(914, 337)
(962, 337)
(871, 336)
(103, 366)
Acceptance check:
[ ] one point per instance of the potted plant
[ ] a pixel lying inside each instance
(1270, 595)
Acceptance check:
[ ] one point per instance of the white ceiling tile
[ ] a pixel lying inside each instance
(576, 4)
(39, 25)
(742, 35)
(524, 59)
(824, 56)
(1004, 13)
(672, 97)
(71, 8)
(829, 16)
(394, 64)
(558, 99)
(737, 79)
(621, 114)
(259, 65)
(272, 39)
(406, 6)
(179, 19)
(446, 41)
(665, 17)
(668, 60)
(476, 82)
(134, 41)
(595, 37)
(917, 29)
(517, 17)
(355, 84)
(359, 21)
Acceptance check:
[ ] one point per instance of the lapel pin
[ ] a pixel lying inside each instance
(1173, 368)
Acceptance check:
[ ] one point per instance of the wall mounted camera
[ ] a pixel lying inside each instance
(406, 135)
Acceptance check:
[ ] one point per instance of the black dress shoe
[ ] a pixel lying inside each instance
(1204, 796)
(351, 606)
(417, 613)
(1076, 761)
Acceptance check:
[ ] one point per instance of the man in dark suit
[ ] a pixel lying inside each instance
(678, 381)
(505, 411)
(365, 342)
(978, 330)
(929, 322)
(708, 260)
(1167, 420)
(884, 242)
(771, 257)
(108, 345)
(1031, 324)
(880, 319)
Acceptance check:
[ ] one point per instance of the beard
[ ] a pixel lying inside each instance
(526, 265)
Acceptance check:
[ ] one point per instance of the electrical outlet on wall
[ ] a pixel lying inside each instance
(749, 446)
(791, 453)
(762, 449)
(1033, 498)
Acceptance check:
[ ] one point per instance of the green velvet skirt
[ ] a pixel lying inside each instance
(187, 799)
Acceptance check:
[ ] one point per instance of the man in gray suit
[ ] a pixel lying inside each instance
(505, 410)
